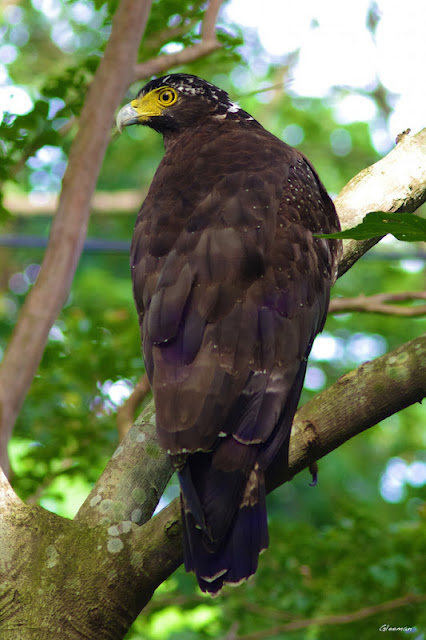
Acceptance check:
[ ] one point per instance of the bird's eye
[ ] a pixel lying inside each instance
(167, 97)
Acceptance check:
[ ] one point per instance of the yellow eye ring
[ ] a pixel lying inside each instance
(167, 97)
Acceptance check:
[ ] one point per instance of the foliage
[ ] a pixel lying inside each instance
(403, 226)
(67, 429)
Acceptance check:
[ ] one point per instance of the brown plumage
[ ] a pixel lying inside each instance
(231, 288)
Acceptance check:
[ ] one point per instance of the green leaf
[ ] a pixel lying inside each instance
(404, 226)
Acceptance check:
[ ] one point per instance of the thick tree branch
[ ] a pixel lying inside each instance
(357, 401)
(8, 497)
(207, 44)
(379, 303)
(397, 182)
(127, 489)
(67, 235)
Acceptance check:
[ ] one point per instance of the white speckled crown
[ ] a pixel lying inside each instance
(191, 85)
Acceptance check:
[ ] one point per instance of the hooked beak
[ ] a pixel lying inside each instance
(126, 117)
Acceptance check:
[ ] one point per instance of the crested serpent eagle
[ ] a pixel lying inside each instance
(231, 287)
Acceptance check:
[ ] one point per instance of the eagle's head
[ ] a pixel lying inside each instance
(176, 102)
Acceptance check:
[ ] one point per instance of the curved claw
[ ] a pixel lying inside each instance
(313, 470)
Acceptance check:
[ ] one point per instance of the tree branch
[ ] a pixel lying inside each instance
(208, 30)
(159, 39)
(379, 303)
(127, 489)
(207, 44)
(397, 182)
(357, 401)
(341, 618)
(123, 201)
(125, 413)
(68, 231)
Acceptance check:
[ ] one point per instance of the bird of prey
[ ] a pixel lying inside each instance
(231, 286)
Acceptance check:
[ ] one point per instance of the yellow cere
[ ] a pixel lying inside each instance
(154, 102)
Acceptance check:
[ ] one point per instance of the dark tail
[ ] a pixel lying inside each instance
(224, 520)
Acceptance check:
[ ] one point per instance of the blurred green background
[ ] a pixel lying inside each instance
(358, 538)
